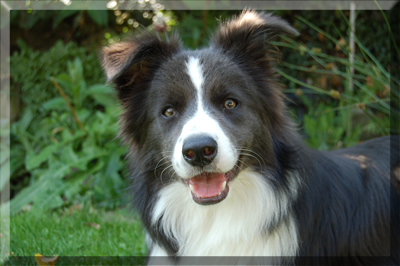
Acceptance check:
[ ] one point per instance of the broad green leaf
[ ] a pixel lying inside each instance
(64, 81)
(113, 167)
(75, 182)
(16, 163)
(104, 99)
(33, 160)
(68, 137)
(49, 180)
(25, 121)
(27, 195)
(57, 103)
(102, 94)
(50, 198)
(68, 155)
(99, 88)
(83, 114)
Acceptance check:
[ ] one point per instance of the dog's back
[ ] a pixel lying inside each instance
(349, 209)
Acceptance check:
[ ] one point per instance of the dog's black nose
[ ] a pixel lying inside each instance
(199, 150)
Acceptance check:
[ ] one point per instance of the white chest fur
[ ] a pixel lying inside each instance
(234, 227)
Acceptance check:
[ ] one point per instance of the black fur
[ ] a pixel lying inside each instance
(345, 208)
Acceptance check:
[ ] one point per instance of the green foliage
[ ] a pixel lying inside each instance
(29, 18)
(370, 28)
(31, 71)
(351, 114)
(326, 129)
(69, 159)
(196, 27)
(77, 231)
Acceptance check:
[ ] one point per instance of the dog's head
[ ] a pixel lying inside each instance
(200, 117)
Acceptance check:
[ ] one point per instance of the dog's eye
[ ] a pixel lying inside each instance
(230, 104)
(169, 112)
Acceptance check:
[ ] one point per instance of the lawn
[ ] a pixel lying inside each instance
(75, 232)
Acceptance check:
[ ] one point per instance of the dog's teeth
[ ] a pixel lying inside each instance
(223, 186)
(191, 188)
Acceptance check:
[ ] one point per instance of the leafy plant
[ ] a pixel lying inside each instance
(31, 71)
(196, 27)
(370, 96)
(325, 130)
(70, 153)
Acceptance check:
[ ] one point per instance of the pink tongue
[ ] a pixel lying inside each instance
(207, 185)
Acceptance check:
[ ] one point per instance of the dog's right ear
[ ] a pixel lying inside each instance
(127, 62)
(131, 65)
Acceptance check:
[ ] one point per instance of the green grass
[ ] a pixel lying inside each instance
(73, 233)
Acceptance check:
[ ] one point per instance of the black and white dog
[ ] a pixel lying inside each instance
(218, 168)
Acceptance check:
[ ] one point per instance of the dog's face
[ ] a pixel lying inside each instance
(204, 106)
(203, 116)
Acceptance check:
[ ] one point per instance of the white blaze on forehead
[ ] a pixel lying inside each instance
(201, 122)
(196, 74)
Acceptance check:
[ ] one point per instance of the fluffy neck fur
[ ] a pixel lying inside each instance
(236, 226)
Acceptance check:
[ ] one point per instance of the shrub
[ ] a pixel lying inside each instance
(69, 153)
(338, 116)
(31, 71)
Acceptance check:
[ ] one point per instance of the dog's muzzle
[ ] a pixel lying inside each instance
(208, 187)
(200, 150)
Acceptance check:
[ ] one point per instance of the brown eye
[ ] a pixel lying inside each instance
(230, 104)
(170, 112)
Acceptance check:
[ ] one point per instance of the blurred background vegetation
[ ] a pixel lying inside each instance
(63, 147)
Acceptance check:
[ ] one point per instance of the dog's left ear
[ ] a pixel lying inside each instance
(246, 37)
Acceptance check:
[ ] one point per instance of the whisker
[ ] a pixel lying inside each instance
(241, 169)
(163, 172)
(242, 163)
(155, 169)
(250, 155)
(158, 166)
(171, 173)
(253, 152)
(237, 140)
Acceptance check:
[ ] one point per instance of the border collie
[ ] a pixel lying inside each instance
(218, 169)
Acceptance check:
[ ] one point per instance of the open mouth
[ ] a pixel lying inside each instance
(210, 188)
